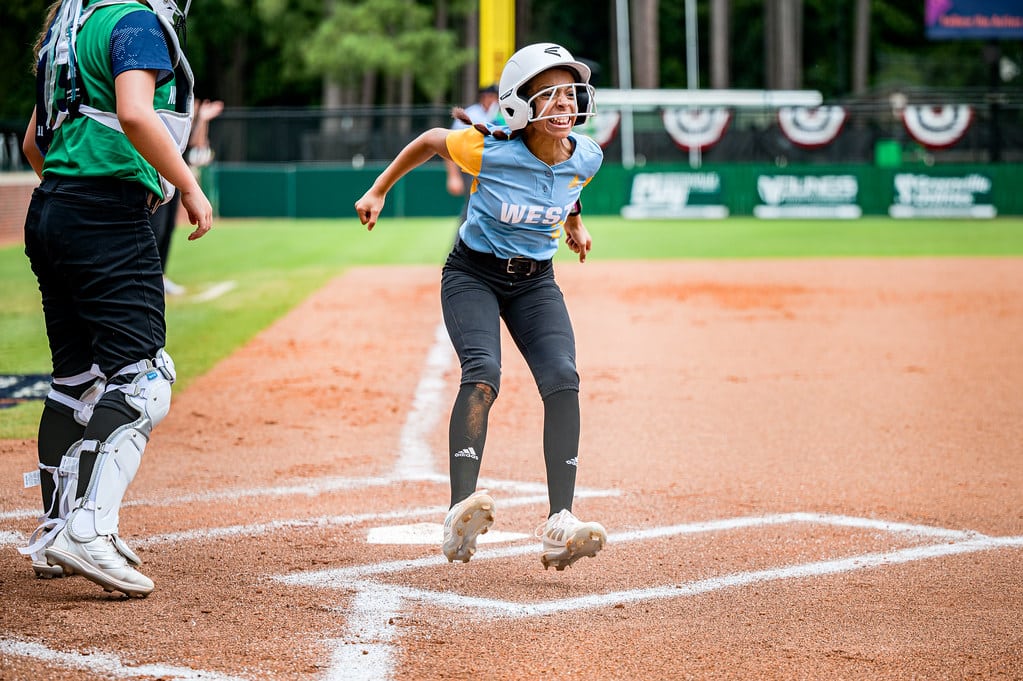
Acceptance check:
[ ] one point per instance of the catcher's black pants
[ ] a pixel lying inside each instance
(92, 250)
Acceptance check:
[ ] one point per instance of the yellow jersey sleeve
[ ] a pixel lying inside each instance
(466, 149)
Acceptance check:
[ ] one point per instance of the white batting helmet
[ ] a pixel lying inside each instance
(528, 62)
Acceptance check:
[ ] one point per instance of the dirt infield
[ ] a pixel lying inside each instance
(809, 469)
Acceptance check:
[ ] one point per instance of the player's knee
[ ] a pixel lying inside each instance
(482, 370)
(557, 375)
(146, 387)
(483, 395)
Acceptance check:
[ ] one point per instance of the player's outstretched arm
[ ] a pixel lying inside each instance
(416, 153)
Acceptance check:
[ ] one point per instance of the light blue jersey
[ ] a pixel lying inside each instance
(518, 204)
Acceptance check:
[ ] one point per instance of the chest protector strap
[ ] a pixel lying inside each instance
(60, 62)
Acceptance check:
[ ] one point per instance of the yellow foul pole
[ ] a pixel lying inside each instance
(497, 38)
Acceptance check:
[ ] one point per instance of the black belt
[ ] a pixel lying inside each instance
(519, 265)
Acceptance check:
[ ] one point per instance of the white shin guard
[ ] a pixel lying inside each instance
(65, 481)
(117, 462)
(119, 456)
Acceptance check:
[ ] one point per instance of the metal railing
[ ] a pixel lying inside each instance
(375, 136)
(361, 136)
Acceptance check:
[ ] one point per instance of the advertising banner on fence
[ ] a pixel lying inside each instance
(807, 196)
(931, 196)
(676, 195)
(973, 19)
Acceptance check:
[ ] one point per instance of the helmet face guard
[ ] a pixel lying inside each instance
(529, 62)
(580, 94)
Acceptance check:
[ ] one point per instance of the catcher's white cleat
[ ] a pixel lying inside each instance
(466, 520)
(101, 560)
(566, 539)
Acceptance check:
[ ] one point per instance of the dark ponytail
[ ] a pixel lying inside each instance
(458, 113)
(51, 14)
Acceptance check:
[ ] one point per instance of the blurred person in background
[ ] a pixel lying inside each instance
(198, 154)
(484, 110)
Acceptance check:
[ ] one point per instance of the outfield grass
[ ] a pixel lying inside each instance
(277, 263)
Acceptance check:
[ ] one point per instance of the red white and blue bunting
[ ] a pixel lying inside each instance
(937, 127)
(811, 127)
(696, 128)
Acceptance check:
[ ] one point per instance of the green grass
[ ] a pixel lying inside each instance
(753, 238)
(278, 263)
(275, 264)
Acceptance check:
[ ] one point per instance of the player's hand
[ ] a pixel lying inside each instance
(368, 208)
(577, 237)
(454, 181)
(209, 109)
(200, 212)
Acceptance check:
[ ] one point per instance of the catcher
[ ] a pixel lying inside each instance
(111, 82)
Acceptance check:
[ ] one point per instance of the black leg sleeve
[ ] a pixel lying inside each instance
(561, 447)
(58, 430)
(467, 434)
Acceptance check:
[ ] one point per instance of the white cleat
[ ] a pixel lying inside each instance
(99, 560)
(466, 520)
(566, 539)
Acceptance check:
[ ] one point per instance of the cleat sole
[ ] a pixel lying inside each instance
(575, 548)
(470, 525)
(48, 572)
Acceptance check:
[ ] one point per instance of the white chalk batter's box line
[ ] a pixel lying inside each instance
(951, 542)
(319, 486)
(207, 534)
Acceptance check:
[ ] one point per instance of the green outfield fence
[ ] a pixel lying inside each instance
(312, 162)
(316, 163)
(661, 190)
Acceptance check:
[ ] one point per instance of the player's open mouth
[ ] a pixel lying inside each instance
(562, 121)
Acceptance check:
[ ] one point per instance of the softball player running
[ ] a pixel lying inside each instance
(111, 82)
(525, 193)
